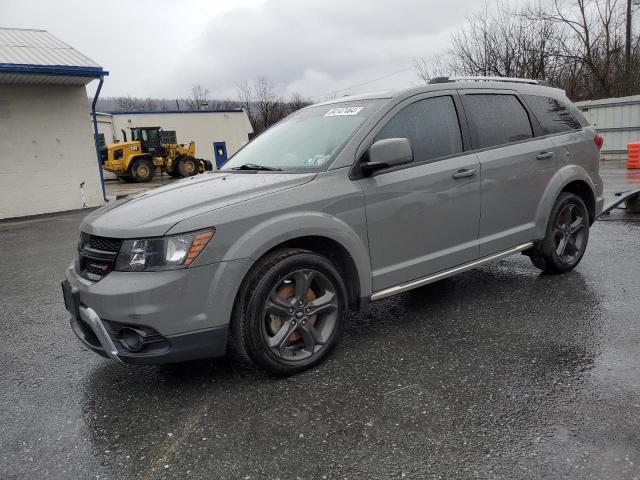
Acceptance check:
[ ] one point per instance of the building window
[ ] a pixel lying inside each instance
(168, 136)
(101, 141)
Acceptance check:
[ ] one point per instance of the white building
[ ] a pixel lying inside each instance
(205, 127)
(48, 157)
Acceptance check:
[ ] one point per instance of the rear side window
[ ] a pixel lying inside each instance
(498, 119)
(431, 125)
(553, 115)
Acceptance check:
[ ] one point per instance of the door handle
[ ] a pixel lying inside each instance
(544, 155)
(465, 172)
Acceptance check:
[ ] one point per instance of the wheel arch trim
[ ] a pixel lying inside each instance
(284, 229)
(134, 158)
(563, 177)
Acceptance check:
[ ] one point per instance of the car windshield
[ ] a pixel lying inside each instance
(307, 140)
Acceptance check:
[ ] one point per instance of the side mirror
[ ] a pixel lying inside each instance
(387, 153)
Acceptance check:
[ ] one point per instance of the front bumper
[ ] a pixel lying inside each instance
(102, 337)
(184, 314)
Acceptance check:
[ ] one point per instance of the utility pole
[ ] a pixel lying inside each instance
(627, 49)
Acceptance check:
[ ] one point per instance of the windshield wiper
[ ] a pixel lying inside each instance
(253, 166)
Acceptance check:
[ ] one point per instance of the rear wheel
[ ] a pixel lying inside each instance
(290, 312)
(566, 237)
(142, 170)
(187, 166)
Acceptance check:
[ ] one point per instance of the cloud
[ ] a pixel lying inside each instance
(315, 47)
(160, 48)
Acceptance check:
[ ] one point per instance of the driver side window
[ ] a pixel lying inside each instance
(431, 125)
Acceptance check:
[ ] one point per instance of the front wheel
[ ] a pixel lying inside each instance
(566, 236)
(187, 166)
(290, 312)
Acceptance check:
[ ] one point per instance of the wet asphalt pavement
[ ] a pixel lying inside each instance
(497, 373)
(114, 187)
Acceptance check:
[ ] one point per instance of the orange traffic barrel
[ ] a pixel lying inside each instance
(633, 155)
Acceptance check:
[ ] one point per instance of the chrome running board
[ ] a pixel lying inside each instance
(403, 287)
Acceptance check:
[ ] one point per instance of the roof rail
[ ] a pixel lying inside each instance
(487, 79)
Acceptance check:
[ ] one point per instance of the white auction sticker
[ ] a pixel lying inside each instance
(342, 111)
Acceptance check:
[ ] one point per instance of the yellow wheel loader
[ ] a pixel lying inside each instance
(138, 159)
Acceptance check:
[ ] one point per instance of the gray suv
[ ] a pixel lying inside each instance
(340, 204)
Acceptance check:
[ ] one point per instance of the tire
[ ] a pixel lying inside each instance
(142, 170)
(566, 236)
(175, 172)
(187, 166)
(270, 325)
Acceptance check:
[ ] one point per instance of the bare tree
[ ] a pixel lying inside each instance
(594, 48)
(508, 42)
(226, 104)
(296, 102)
(130, 104)
(577, 45)
(437, 66)
(263, 105)
(150, 104)
(268, 104)
(245, 95)
(199, 98)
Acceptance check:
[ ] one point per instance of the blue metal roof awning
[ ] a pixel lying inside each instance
(55, 70)
(49, 74)
(153, 112)
(35, 56)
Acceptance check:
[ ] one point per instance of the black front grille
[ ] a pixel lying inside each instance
(102, 243)
(96, 255)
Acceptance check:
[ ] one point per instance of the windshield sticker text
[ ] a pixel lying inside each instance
(342, 111)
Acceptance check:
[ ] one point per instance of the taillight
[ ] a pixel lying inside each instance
(598, 140)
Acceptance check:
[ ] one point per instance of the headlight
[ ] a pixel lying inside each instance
(164, 253)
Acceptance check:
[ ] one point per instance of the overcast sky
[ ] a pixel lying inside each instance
(159, 48)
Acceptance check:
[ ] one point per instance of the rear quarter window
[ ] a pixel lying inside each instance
(554, 116)
(497, 119)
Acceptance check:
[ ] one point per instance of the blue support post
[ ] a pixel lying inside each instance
(95, 136)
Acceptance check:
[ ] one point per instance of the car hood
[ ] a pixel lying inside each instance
(153, 212)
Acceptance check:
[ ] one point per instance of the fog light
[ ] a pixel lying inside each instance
(131, 339)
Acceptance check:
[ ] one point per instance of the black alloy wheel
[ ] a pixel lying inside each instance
(300, 313)
(566, 236)
(569, 233)
(290, 311)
